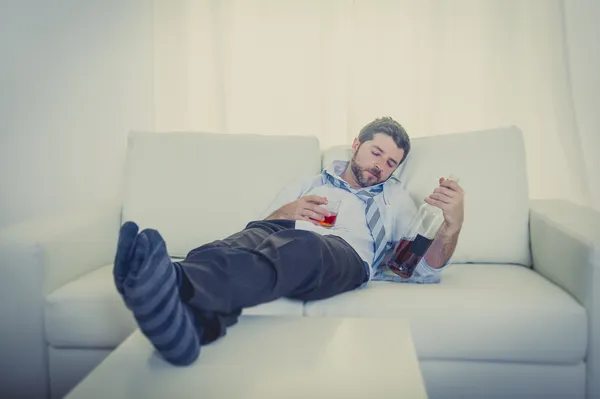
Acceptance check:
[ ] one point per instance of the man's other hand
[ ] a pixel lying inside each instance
(449, 197)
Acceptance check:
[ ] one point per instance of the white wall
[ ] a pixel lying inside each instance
(583, 48)
(75, 77)
(447, 66)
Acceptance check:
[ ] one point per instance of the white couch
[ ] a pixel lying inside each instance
(515, 316)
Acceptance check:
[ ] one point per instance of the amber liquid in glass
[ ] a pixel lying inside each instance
(328, 221)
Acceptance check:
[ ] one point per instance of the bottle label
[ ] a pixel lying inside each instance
(420, 245)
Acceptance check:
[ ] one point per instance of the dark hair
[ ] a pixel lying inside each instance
(389, 127)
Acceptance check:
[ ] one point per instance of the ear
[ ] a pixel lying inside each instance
(355, 145)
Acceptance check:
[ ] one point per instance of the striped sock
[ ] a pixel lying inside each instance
(151, 293)
(127, 237)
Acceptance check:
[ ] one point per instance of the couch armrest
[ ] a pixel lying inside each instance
(565, 245)
(37, 257)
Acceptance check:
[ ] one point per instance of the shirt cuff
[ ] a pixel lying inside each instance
(424, 269)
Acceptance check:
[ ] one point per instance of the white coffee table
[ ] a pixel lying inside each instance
(267, 357)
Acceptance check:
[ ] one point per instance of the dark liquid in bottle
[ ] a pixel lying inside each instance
(407, 255)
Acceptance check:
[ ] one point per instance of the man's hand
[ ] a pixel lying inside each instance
(449, 197)
(306, 208)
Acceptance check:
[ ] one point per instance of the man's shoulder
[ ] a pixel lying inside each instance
(298, 186)
(395, 193)
(395, 186)
(291, 192)
(306, 182)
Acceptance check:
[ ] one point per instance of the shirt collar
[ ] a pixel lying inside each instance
(337, 167)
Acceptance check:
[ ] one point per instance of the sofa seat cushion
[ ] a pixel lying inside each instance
(488, 312)
(89, 313)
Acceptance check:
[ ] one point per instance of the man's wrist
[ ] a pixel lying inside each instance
(273, 216)
(449, 232)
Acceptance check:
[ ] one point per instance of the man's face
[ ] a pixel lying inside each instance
(375, 160)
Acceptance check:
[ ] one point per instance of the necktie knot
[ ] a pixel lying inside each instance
(365, 195)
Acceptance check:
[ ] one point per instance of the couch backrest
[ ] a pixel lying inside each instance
(196, 187)
(492, 171)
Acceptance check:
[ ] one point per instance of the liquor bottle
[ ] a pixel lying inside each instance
(417, 239)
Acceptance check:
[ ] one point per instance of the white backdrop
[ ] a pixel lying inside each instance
(76, 76)
(328, 67)
(583, 46)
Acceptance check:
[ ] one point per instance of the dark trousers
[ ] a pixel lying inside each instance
(265, 261)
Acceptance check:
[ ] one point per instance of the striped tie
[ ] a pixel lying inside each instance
(372, 214)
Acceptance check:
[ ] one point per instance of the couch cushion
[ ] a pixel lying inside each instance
(196, 187)
(89, 313)
(496, 225)
(478, 312)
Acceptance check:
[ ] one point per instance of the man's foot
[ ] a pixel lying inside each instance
(147, 281)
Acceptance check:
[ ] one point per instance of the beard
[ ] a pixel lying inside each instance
(362, 175)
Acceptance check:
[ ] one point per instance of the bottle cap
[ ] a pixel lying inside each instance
(451, 176)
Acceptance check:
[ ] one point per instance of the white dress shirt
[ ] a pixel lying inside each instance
(395, 205)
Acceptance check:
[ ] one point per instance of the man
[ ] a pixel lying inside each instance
(180, 306)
